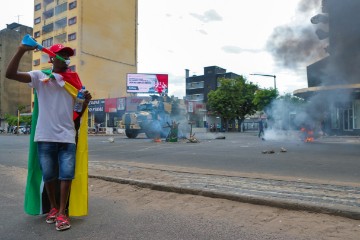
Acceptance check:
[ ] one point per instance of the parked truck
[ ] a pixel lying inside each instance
(150, 118)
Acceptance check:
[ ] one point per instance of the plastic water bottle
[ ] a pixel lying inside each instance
(80, 98)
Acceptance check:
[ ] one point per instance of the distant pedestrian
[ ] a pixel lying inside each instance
(261, 129)
(218, 127)
(96, 128)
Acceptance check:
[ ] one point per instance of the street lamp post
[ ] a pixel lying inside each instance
(266, 75)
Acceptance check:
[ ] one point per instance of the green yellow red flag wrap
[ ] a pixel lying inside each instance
(36, 201)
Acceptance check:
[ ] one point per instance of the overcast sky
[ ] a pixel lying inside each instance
(243, 36)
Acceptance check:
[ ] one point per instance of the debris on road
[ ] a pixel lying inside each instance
(268, 151)
(192, 139)
(220, 137)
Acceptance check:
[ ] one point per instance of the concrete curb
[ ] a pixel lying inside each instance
(258, 200)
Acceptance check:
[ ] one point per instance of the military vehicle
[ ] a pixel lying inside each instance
(150, 118)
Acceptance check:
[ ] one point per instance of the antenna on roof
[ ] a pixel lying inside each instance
(18, 17)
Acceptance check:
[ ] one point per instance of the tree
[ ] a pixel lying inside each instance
(12, 120)
(264, 97)
(288, 97)
(233, 99)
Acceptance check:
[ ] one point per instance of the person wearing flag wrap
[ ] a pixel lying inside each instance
(57, 160)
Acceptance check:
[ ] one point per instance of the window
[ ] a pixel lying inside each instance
(37, 6)
(61, 38)
(61, 8)
(48, 14)
(194, 85)
(46, 2)
(72, 21)
(72, 5)
(60, 23)
(36, 62)
(335, 117)
(37, 34)
(196, 97)
(47, 42)
(48, 28)
(357, 114)
(71, 36)
(37, 20)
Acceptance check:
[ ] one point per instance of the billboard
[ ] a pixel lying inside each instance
(147, 83)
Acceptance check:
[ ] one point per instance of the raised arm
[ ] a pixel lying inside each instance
(12, 70)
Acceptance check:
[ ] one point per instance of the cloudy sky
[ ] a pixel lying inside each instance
(243, 36)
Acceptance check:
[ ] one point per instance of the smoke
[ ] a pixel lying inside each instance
(306, 6)
(296, 43)
(336, 66)
(294, 46)
(288, 114)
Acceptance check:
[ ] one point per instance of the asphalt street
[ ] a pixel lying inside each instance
(320, 177)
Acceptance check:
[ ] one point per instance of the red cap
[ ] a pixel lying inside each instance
(61, 48)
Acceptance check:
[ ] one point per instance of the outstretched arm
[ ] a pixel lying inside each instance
(12, 70)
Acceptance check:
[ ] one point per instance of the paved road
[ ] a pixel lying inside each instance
(329, 159)
(320, 176)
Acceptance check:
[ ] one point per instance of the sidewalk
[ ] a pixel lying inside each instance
(332, 199)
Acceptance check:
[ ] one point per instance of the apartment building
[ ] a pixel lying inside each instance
(13, 94)
(197, 89)
(103, 35)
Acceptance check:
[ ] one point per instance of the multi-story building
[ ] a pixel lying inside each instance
(103, 35)
(13, 94)
(197, 89)
(334, 81)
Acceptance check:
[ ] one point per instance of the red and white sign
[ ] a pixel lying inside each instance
(147, 83)
(110, 105)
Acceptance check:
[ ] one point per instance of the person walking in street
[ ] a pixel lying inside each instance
(56, 130)
(261, 129)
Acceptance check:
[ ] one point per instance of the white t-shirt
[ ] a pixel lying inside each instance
(55, 121)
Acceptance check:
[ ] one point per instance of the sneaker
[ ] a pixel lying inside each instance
(62, 222)
(51, 216)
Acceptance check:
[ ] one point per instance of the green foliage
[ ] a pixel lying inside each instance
(264, 97)
(13, 120)
(233, 98)
(293, 99)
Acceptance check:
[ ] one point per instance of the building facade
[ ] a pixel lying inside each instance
(334, 81)
(13, 94)
(197, 89)
(103, 35)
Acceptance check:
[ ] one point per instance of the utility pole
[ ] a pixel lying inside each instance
(266, 75)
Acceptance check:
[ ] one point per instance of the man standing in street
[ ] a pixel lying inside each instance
(261, 129)
(55, 130)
